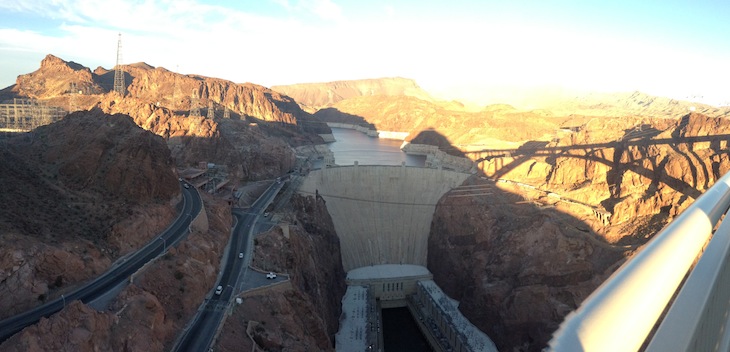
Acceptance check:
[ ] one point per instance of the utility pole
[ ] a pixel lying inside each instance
(119, 86)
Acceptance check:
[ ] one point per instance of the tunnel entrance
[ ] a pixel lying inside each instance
(401, 333)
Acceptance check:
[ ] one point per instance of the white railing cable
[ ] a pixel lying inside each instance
(698, 317)
(620, 314)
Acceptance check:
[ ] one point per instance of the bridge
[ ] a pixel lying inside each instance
(613, 154)
(622, 313)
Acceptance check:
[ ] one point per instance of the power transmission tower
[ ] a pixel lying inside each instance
(227, 113)
(174, 90)
(211, 110)
(194, 108)
(119, 86)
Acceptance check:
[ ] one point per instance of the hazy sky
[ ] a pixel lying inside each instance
(452, 48)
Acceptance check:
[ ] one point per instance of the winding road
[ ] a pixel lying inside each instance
(202, 330)
(119, 272)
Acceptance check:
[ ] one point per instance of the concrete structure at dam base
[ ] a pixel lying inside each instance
(377, 287)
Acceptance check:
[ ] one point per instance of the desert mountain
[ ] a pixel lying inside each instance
(502, 122)
(59, 81)
(631, 104)
(248, 127)
(75, 200)
(55, 78)
(534, 258)
(315, 96)
(409, 114)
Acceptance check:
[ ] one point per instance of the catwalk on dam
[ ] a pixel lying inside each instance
(382, 214)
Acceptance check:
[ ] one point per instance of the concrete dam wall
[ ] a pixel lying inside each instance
(382, 214)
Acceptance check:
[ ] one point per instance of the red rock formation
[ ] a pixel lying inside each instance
(315, 96)
(160, 101)
(147, 315)
(516, 269)
(306, 312)
(119, 159)
(54, 78)
(530, 263)
(68, 199)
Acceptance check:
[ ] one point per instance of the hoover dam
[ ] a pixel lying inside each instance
(382, 214)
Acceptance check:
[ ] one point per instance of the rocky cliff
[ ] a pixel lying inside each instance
(75, 201)
(409, 114)
(149, 313)
(304, 314)
(54, 78)
(537, 246)
(630, 103)
(315, 96)
(516, 269)
(261, 127)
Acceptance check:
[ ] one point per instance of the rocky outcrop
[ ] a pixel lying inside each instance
(315, 96)
(251, 151)
(100, 161)
(54, 78)
(630, 104)
(515, 268)
(644, 177)
(306, 312)
(533, 256)
(75, 201)
(262, 127)
(148, 314)
(174, 91)
(410, 114)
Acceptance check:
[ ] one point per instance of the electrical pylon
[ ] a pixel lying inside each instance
(119, 86)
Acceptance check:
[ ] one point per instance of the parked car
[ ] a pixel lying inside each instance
(271, 275)
(240, 255)
(187, 185)
(219, 290)
(266, 215)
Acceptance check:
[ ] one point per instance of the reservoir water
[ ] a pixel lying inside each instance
(351, 146)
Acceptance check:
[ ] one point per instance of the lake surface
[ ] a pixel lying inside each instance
(354, 146)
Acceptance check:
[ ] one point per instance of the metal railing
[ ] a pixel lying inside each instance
(621, 313)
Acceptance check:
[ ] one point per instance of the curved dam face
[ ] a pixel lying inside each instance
(382, 214)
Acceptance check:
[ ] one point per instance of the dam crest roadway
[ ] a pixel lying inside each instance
(382, 216)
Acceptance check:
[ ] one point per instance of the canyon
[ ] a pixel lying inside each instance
(574, 189)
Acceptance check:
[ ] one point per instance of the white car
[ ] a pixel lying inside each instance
(271, 275)
(266, 215)
(240, 255)
(219, 290)
(187, 186)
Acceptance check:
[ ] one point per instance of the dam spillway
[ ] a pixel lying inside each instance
(382, 214)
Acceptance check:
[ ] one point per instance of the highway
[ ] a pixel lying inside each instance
(202, 330)
(119, 272)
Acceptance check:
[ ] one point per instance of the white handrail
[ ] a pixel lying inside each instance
(620, 314)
